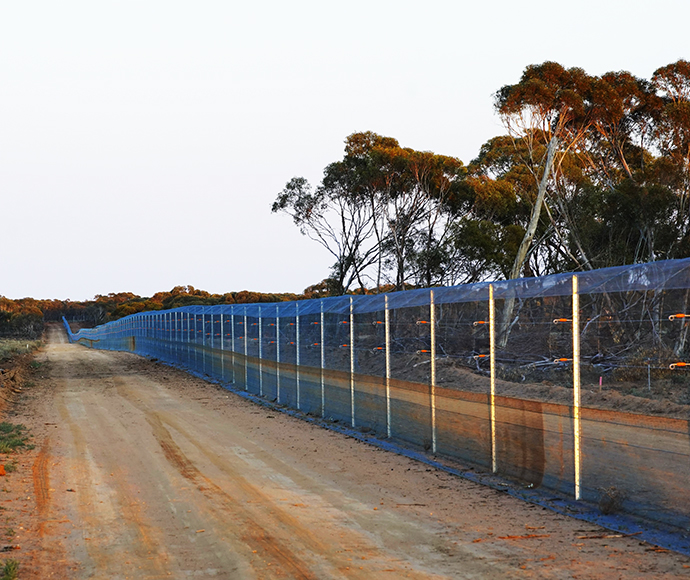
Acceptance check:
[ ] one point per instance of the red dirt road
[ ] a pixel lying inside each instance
(141, 471)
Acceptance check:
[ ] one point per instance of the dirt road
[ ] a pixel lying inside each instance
(141, 471)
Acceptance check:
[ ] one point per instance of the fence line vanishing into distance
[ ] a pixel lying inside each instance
(508, 376)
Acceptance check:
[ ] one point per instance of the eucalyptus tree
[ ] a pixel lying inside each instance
(381, 212)
(337, 220)
(546, 111)
(673, 139)
(418, 188)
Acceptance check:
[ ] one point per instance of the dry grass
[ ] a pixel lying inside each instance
(13, 347)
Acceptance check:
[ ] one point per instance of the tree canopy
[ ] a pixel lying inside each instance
(593, 171)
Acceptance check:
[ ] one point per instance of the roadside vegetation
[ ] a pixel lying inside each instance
(13, 347)
(25, 318)
(13, 438)
(10, 570)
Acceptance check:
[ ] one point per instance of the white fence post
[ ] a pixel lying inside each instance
(222, 346)
(323, 364)
(297, 352)
(352, 361)
(261, 367)
(492, 376)
(246, 361)
(277, 355)
(232, 341)
(388, 367)
(576, 387)
(432, 322)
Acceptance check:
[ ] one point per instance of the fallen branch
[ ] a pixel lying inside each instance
(525, 537)
(607, 536)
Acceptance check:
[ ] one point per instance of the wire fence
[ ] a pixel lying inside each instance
(576, 383)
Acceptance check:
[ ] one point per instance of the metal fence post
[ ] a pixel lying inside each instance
(297, 351)
(432, 322)
(222, 345)
(261, 367)
(246, 360)
(492, 376)
(196, 337)
(352, 361)
(323, 364)
(203, 341)
(388, 367)
(576, 387)
(212, 354)
(277, 354)
(232, 340)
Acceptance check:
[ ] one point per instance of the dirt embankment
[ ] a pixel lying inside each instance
(666, 394)
(15, 373)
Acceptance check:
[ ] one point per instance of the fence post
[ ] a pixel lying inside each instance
(352, 360)
(232, 341)
(323, 364)
(388, 367)
(222, 346)
(246, 361)
(297, 351)
(196, 336)
(261, 367)
(277, 354)
(432, 322)
(492, 376)
(203, 340)
(576, 386)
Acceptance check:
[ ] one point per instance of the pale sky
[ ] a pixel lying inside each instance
(143, 142)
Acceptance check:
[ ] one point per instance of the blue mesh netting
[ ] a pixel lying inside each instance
(330, 358)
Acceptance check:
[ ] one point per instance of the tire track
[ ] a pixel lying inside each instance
(253, 533)
(41, 480)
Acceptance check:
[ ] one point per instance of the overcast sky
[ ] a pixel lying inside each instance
(143, 142)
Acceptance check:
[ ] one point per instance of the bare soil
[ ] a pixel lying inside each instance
(668, 393)
(142, 471)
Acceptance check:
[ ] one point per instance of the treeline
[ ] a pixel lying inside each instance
(25, 317)
(593, 171)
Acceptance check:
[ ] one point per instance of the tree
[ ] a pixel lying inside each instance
(673, 136)
(336, 218)
(546, 107)
(381, 207)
